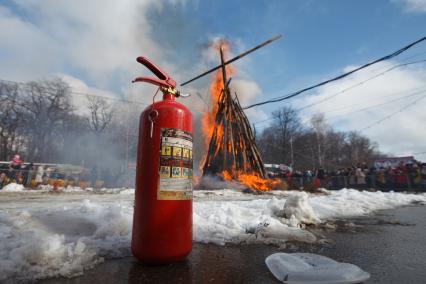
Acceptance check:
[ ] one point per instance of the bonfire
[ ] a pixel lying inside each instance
(232, 153)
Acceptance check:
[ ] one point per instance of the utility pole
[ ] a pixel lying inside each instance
(291, 152)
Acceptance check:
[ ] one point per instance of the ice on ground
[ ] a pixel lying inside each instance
(44, 234)
(13, 187)
(313, 268)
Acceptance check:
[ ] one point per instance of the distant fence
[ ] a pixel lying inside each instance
(63, 178)
(379, 182)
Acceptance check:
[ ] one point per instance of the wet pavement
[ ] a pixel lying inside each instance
(391, 245)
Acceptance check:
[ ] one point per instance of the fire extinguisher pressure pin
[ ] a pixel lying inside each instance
(151, 117)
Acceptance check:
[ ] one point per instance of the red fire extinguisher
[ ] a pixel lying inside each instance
(162, 222)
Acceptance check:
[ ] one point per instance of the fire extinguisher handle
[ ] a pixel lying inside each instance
(150, 80)
(163, 80)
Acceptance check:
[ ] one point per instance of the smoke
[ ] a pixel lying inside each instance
(215, 182)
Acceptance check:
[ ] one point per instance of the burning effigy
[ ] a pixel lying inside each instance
(232, 153)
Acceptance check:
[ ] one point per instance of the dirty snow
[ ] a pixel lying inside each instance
(45, 234)
(13, 187)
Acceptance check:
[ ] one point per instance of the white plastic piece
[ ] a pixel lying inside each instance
(298, 268)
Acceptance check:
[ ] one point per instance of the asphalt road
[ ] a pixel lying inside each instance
(391, 245)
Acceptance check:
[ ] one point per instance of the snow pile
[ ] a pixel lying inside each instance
(28, 250)
(244, 221)
(13, 187)
(113, 227)
(351, 202)
(297, 206)
(121, 190)
(68, 189)
(62, 242)
(103, 190)
(261, 220)
(233, 195)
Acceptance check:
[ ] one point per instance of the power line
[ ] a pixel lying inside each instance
(361, 83)
(362, 103)
(85, 94)
(378, 105)
(351, 87)
(402, 60)
(374, 106)
(392, 114)
(109, 98)
(294, 94)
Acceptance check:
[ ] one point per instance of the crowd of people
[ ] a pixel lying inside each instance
(403, 176)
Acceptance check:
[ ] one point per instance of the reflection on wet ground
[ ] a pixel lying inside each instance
(390, 245)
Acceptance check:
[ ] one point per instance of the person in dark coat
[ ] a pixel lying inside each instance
(27, 172)
(93, 176)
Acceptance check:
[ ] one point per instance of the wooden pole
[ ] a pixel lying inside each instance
(233, 59)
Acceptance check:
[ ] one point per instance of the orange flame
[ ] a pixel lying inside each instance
(216, 87)
(253, 181)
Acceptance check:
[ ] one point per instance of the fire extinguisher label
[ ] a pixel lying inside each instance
(175, 166)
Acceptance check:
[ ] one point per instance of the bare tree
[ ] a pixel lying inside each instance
(359, 148)
(320, 128)
(46, 108)
(333, 149)
(101, 114)
(318, 146)
(10, 120)
(276, 141)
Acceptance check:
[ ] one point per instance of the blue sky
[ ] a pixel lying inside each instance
(93, 45)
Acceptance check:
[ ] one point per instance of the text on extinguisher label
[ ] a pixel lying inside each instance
(175, 166)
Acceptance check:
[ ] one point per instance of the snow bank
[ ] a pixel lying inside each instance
(121, 190)
(65, 234)
(245, 221)
(298, 207)
(350, 202)
(13, 187)
(62, 242)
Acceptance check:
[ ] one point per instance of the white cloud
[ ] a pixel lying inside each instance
(100, 38)
(247, 92)
(413, 5)
(26, 50)
(402, 133)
